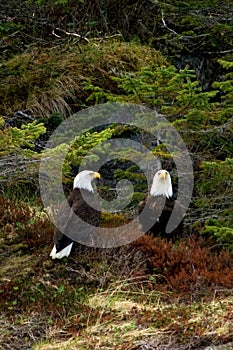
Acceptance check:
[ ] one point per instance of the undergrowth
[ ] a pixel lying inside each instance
(52, 81)
(150, 294)
(140, 293)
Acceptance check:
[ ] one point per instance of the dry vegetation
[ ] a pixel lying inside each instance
(51, 81)
(147, 295)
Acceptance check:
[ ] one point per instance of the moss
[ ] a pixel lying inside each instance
(137, 198)
(112, 220)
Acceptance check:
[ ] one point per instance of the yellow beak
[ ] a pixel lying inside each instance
(164, 175)
(97, 175)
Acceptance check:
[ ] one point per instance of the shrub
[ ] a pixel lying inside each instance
(188, 266)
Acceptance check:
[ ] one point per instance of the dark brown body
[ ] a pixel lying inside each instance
(72, 217)
(156, 215)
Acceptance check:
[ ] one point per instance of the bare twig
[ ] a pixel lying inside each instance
(69, 34)
(220, 128)
(165, 25)
(108, 37)
(218, 52)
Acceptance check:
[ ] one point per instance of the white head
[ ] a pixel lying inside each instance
(162, 184)
(84, 180)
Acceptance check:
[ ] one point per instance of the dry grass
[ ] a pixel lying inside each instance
(105, 298)
(49, 81)
(125, 323)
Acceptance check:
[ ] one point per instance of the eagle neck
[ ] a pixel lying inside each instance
(161, 192)
(83, 185)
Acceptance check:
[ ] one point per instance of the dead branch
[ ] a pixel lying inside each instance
(165, 25)
(76, 35)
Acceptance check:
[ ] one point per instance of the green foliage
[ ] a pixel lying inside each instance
(217, 177)
(19, 159)
(86, 149)
(226, 64)
(226, 86)
(165, 88)
(177, 95)
(137, 179)
(222, 234)
(15, 140)
(215, 191)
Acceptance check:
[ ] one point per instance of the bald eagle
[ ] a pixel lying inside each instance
(156, 209)
(74, 212)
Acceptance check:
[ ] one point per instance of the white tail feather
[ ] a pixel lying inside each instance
(64, 252)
